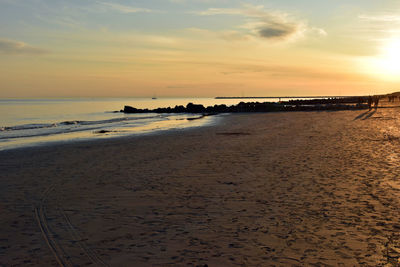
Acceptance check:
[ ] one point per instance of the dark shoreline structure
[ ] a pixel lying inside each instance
(344, 103)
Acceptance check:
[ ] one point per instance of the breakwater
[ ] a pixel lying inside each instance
(345, 103)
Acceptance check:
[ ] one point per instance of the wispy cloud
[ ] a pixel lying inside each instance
(17, 48)
(234, 36)
(60, 20)
(292, 72)
(267, 24)
(380, 18)
(379, 26)
(220, 11)
(124, 8)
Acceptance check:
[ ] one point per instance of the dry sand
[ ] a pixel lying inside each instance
(276, 189)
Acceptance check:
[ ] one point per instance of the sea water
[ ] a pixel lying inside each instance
(31, 122)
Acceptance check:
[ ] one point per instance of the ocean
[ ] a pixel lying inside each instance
(32, 122)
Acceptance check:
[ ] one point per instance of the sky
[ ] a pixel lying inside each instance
(198, 48)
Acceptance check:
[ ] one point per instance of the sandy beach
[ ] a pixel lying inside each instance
(270, 189)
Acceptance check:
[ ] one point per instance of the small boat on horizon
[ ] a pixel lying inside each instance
(154, 97)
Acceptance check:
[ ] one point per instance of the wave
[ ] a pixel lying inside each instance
(28, 126)
(73, 129)
(76, 123)
(73, 126)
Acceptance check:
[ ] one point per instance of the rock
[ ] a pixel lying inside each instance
(193, 108)
(291, 105)
(129, 109)
(179, 109)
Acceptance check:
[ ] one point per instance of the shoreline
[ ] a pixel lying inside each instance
(98, 141)
(139, 133)
(257, 189)
(102, 135)
(40, 132)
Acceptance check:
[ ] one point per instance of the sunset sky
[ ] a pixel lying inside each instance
(199, 48)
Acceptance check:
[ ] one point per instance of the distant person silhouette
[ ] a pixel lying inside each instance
(376, 102)
(370, 102)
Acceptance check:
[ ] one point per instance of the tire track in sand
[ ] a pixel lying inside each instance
(50, 237)
(40, 214)
(92, 255)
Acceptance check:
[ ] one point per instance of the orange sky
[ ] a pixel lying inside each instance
(198, 48)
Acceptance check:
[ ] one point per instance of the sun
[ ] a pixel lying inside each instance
(390, 60)
(387, 63)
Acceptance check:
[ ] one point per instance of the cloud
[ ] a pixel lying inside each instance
(292, 72)
(17, 48)
(382, 18)
(277, 30)
(276, 27)
(234, 36)
(379, 25)
(220, 11)
(60, 20)
(125, 9)
(266, 24)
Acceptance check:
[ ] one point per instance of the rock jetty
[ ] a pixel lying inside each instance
(346, 103)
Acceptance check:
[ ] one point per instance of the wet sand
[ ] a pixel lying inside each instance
(275, 189)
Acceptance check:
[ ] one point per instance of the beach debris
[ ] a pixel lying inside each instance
(233, 133)
(103, 131)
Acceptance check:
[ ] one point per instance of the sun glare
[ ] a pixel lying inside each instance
(387, 64)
